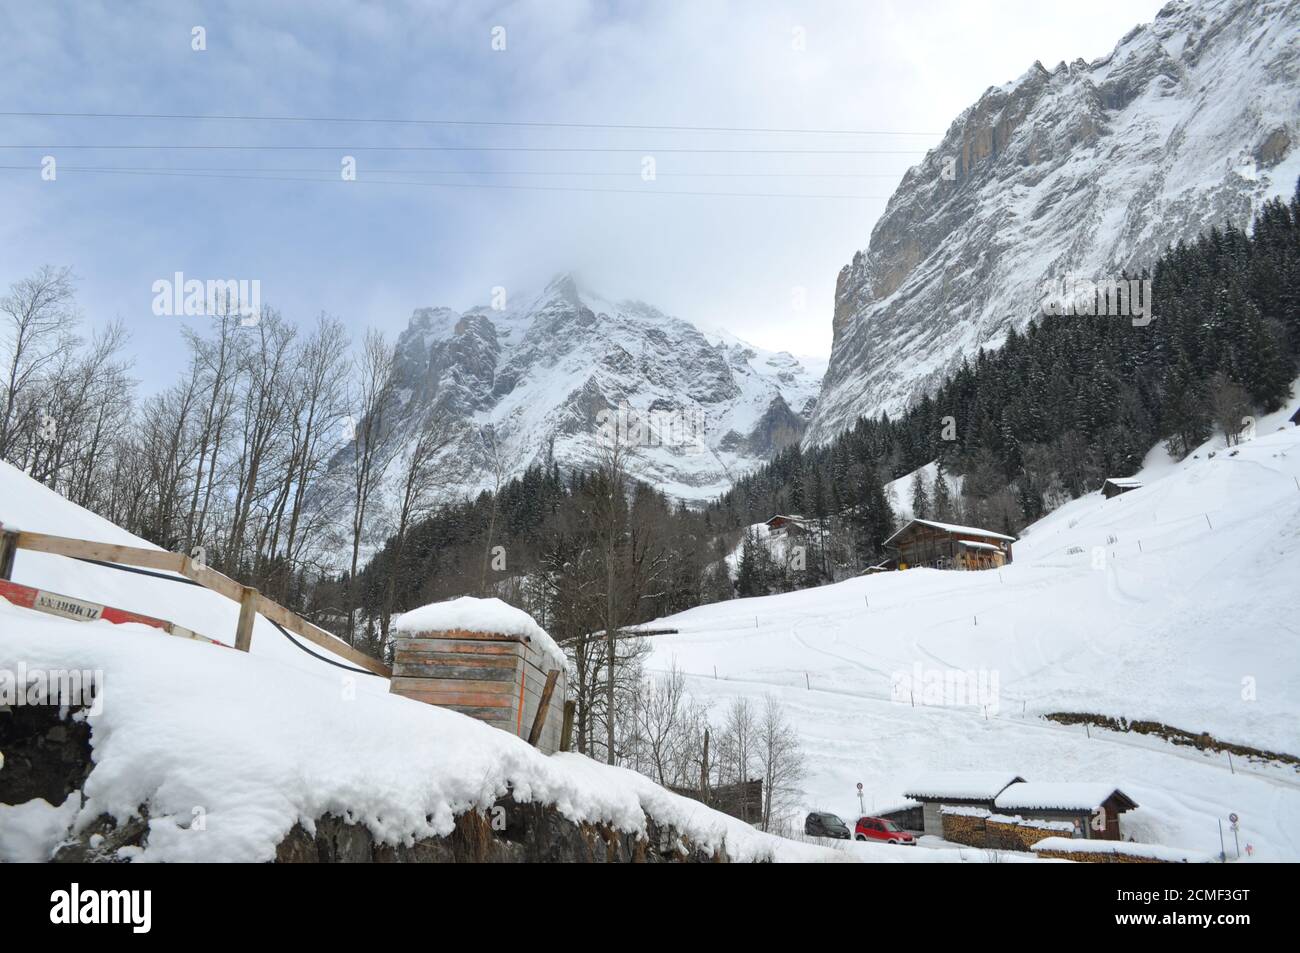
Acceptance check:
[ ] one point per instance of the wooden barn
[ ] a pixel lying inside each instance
(1114, 486)
(946, 546)
(1093, 809)
(485, 659)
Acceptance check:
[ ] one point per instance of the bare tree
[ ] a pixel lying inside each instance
(370, 451)
(780, 760)
(37, 320)
(423, 474)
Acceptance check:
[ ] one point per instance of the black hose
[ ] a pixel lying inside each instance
(329, 661)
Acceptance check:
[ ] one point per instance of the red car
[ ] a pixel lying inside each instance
(880, 829)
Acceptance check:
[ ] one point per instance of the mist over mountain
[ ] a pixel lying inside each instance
(535, 379)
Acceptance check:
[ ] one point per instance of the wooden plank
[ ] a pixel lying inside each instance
(448, 699)
(211, 579)
(247, 615)
(543, 707)
(104, 552)
(318, 636)
(438, 671)
(403, 683)
(566, 733)
(434, 647)
(467, 634)
(467, 660)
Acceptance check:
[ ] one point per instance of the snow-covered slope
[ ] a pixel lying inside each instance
(541, 371)
(27, 505)
(1174, 602)
(1085, 170)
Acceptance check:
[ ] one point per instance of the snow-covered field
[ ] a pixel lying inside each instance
(1174, 602)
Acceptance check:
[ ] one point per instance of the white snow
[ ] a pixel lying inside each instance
(1059, 796)
(479, 615)
(1173, 602)
(954, 528)
(961, 785)
(29, 832)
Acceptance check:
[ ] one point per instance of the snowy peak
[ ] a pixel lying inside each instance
(543, 370)
(1086, 169)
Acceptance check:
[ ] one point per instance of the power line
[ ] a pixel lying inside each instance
(514, 124)
(333, 172)
(463, 185)
(542, 149)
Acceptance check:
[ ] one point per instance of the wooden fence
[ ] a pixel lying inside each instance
(251, 602)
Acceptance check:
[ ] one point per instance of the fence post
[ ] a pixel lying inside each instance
(247, 613)
(8, 546)
(566, 732)
(543, 707)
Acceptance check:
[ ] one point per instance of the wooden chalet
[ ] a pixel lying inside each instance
(947, 546)
(1114, 486)
(787, 524)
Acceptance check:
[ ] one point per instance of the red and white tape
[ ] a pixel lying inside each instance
(83, 610)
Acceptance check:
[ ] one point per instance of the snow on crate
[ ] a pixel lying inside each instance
(479, 615)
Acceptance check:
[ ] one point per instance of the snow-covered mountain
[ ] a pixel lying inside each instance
(548, 373)
(1083, 170)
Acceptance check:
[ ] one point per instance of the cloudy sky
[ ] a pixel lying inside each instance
(581, 93)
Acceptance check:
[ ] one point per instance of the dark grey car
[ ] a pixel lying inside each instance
(820, 824)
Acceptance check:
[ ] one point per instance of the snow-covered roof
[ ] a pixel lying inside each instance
(954, 528)
(961, 786)
(969, 545)
(479, 615)
(1124, 481)
(1058, 796)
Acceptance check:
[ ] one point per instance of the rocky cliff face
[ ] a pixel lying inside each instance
(542, 377)
(1081, 171)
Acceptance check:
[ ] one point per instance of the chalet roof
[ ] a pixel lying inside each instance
(952, 528)
(969, 545)
(1061, 796)
(961, 786)
(786, 516)
(1124, 481)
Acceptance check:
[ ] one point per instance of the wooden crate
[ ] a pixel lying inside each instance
(495, 678)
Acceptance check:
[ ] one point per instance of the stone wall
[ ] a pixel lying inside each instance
(49, 757)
